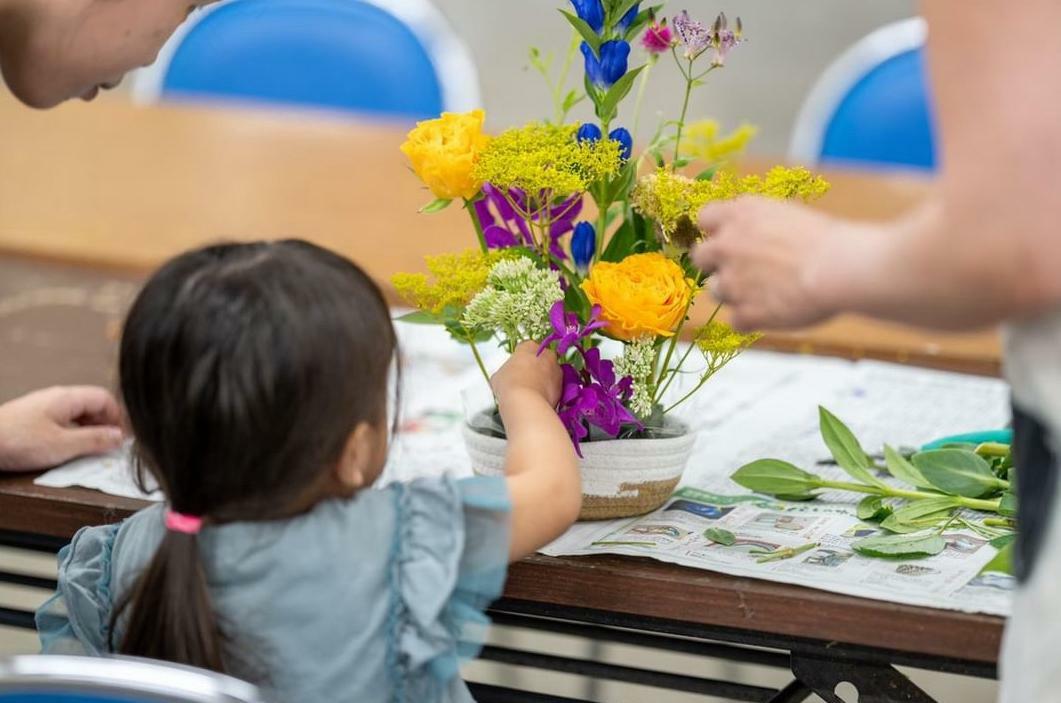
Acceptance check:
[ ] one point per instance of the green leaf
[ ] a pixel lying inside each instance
(1003, 541)
(682, 162)
(707, 174)
(797, 497)
(620, 187)
(583, 28)
(957, 472)
(919, 514)
(419, 317)
(720, 536)
(846, 450)
(873, 509)
(900, 468)
(900, 546)
(437, 205)
(1003, 561)
(642, 19)
(624, 7)
(571, 99)
(775, 477)
(575, 300)
(619, 91)
(1007, 505)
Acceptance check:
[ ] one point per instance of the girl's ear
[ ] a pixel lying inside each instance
(357, 465)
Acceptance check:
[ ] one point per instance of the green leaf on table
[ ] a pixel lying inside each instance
(846, 450)
(901, 546)
(1003, 541)
(419, 317)
(1003, 561)
(619, 91)
(957, 472)
(775, 477)
(583, 28)
(720, 536)
(901, 468)
(797, 497)
(437, 205)
(873, 509)
(1007, 505)
(920, 514)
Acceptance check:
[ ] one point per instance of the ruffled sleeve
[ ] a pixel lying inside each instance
(451, 559)
(76, 620)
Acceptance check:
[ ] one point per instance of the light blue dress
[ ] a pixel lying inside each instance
(371, 599)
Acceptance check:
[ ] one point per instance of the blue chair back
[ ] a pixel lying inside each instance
(349, 55)
(70, 679)
(872, 107)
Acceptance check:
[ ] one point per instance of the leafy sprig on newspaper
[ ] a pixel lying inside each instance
(913, 496)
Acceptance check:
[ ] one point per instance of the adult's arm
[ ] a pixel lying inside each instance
(985, 248)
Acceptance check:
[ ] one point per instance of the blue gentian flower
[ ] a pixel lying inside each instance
(612, 64)
(589, 132)
(629, 17)
(626, 141)
(583, 245)
(592, 12)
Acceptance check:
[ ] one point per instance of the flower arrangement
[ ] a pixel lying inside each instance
(580, 239)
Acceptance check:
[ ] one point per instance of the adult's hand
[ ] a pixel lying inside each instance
(52, 426)
(774, 263)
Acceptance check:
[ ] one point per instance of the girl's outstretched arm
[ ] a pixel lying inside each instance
(541, 466)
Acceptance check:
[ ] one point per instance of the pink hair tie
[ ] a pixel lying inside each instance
(185, 524)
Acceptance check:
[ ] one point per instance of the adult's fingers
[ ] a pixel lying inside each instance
(87, 405)
(74, 442)
(714, 216)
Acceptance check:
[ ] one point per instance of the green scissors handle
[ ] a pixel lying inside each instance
(1000, 436)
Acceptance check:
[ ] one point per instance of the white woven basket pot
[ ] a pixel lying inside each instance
(620, 477)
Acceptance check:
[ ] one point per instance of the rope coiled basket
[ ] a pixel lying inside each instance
(620, 477)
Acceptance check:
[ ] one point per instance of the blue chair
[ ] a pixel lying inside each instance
(67, 679)
(396, 58)
(872, 106)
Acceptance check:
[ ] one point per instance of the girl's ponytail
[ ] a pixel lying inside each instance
(170, 615)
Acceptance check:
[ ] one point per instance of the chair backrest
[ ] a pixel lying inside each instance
(872, 106)
(395, 58)
(67, 679)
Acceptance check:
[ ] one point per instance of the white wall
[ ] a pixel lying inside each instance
(789, 43)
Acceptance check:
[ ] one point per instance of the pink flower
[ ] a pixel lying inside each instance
(723, 39)
(658, 38)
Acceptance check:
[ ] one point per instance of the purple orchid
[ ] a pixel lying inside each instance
(593, 397)
(568, 332)
(505, 226)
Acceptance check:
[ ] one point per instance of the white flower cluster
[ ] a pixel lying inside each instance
(638, 362)
(516, 301)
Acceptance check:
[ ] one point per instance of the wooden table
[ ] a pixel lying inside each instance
(113, 190)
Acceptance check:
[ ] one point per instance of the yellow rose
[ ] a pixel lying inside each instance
(642, 295)
(443, 153)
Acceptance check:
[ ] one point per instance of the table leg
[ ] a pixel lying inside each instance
(875, 683)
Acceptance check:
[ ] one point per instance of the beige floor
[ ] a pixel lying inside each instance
(943, 688)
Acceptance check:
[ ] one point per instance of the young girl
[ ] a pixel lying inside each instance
(255, 380)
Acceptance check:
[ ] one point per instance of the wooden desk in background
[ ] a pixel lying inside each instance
(113, 190)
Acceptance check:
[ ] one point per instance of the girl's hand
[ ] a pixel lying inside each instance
(773, 263)
(53, 426)
(526, 370)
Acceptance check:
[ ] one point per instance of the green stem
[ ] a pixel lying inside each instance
(470, 207)
(678, 368)
(478, 358)
(1000, 522)
(685, 111)
(561, 81)
(670, 349)
(641, 96)
(990, 506)
(690, 394)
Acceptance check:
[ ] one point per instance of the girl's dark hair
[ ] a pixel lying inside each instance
(244, 368)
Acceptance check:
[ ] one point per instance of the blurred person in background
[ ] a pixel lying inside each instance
(52, 51)
(984, 250)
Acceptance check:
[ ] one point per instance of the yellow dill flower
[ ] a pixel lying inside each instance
(540, 157)
(703, 142)
(673, 200)
(720, 343)
(443, 153)
(451, 282)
